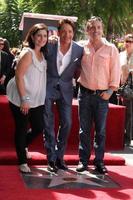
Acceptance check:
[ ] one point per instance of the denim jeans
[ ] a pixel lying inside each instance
(56, 145)
(92, 109)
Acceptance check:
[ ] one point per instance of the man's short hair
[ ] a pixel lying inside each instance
(92, 19)
(66, 21)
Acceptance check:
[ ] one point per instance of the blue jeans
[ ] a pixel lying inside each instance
(92, 108)
(56, 146)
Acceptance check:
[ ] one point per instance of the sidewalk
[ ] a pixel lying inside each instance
(127, 153)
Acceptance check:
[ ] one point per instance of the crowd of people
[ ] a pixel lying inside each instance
(126, 61)
(43, 76)
(7, 59)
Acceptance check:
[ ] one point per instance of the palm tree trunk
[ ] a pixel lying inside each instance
(110, 28)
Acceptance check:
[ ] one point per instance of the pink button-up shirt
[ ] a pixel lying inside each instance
(101, 68)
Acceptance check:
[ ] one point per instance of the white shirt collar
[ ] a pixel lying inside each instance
(69, 50)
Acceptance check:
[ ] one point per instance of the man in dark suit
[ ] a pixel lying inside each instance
(63, 60)
(3, 67)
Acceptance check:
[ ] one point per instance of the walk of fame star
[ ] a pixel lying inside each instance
(41, 178)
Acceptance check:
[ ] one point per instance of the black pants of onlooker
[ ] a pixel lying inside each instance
(129, 121)
(2, 89)
(22, 139)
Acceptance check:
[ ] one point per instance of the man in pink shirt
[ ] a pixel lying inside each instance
(100, 76)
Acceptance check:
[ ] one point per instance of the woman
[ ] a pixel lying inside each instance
(126, 60)
(27, 90)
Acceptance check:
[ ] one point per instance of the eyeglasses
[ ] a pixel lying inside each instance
(129, 41)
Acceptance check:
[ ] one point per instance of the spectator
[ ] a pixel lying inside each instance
(14, 64)
(126, 61)
(4, 67)
(11, 57)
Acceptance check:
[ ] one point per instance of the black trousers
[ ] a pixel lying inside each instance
(129, 121)
(22, 138)
(2, 89)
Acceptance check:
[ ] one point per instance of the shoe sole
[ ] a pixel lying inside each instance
(101, 172)
(86, 169)
(52, 171)
(63, 169)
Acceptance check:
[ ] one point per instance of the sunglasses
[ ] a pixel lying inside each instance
(129, 41)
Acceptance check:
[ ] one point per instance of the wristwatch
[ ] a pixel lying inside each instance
(25, 98)
(109, 91)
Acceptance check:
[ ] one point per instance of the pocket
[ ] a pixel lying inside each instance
(103, 60)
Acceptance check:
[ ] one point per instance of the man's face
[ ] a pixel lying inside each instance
(66, 34)
(95, 30)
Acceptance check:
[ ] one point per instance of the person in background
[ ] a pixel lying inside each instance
(100, 76)
(11, 57)
(126, 61)
(4, 67)
(26, 91)
(64, 58)
(16, 54)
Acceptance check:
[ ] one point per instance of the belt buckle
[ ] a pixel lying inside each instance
(95, 92)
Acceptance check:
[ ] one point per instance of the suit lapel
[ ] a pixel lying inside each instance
(73, 54)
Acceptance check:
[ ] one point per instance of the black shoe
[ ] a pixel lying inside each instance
(60, 164)
(51, 167)
(81, 167)
(100, 167)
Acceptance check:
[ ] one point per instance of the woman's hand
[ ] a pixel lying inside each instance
(24, 108)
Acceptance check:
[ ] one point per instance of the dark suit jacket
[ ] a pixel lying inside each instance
(4, 64)
(65, 79)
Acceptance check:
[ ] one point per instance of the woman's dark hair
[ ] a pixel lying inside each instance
(33, 30)
(6, 47)
(66, 21)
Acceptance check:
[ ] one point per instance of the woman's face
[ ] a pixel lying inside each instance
(40, 38)
(129, 44)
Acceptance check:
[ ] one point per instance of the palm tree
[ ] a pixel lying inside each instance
(115, 15)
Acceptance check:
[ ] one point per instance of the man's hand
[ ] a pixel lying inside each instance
(105, 95)
(53, 39)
